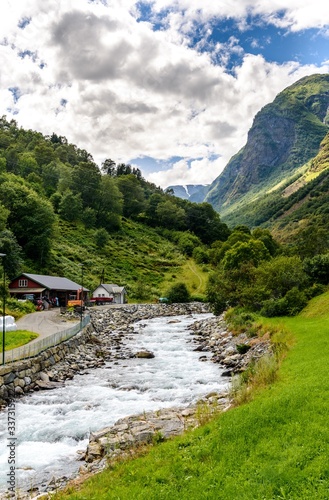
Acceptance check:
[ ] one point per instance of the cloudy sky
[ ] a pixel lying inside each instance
(170, 86)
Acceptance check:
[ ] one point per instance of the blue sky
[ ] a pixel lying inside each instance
(170, 86)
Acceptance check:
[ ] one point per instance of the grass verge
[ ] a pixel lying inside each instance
(274, 447)
(17, 339)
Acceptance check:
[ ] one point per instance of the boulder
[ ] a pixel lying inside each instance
(144, 354)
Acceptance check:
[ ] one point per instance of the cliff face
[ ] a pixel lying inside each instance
(284, 136)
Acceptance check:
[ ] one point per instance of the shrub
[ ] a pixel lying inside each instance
(290, 305)
(200, 255)
(178, 293)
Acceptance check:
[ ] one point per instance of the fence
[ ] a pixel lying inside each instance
(36, 347)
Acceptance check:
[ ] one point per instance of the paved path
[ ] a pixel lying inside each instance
(44, 323)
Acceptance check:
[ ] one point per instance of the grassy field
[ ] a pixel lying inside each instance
(274, 447)
(17, 338)
(194, 276)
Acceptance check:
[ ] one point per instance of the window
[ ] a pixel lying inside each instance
(22, 283)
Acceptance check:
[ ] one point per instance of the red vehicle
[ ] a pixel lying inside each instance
(100, 301)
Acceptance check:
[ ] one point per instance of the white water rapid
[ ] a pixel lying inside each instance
(52, 425)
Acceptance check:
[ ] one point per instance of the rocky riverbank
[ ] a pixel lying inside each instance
(234, 353)
(108, 330)
(105, 342)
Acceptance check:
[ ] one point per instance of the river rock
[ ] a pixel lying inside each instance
(144, 354)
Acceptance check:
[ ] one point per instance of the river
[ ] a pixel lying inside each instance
(51, 426)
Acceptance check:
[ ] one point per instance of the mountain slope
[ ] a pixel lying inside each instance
(284, 136)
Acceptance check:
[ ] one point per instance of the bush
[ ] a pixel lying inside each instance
(18, 309)
(290, 305)
(178, 293)
(295, 301)
(200, 255)
(273, 307)
(318, 268)
(197, 298)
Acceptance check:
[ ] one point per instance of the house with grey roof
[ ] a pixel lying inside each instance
(118, 293)
(39, 285)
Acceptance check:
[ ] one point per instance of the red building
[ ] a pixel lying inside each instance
(35, 286)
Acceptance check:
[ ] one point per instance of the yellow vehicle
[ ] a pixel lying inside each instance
(76, 300)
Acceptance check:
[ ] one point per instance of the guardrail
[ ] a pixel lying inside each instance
(35, 348)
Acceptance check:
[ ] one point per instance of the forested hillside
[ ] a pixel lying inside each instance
(58, 209)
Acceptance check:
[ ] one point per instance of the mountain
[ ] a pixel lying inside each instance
(286, 134)
(191, 192)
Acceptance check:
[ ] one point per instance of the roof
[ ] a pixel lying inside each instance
(27, 290)
(54, 282)
(112, 288)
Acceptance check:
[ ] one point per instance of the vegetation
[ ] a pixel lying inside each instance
(279, 157)
(273, 447)
(17, 338)
(58, 210)
(178, 293)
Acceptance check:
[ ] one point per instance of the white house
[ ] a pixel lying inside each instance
(118, 293)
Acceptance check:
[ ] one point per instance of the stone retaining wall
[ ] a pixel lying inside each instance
(24, 376)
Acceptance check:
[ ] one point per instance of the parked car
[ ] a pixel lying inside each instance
(26, 296)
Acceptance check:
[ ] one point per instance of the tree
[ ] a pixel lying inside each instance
(70, 207)
(27, 164)
(108, 167)
(312, 240)
(265, 236)
(252, 251)
(86, 179)
(50, 177)
(109, 204)
(44, 153)
(178, 293)
(281, 274)
(318, 268)
(187, 242)
(151, 208)
(133, 195)
(170, 216)
(205, 223)
(31, 218)
(14, 254)
(4, 214)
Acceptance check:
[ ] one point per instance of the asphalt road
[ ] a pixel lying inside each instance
(44, 323)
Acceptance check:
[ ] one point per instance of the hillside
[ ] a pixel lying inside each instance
(58, 210)
(286, 134)
(294, 205)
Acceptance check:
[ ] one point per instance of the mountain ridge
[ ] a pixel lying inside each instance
(285, 135)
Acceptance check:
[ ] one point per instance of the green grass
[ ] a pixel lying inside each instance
(274, 447)
(190, 273)
(17, 338)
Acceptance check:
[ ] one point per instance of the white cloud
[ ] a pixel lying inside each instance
(198, 172)
(131, 91)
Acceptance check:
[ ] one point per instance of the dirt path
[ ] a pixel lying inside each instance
(194, 271)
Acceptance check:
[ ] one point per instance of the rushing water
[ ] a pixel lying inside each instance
(52, 425)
